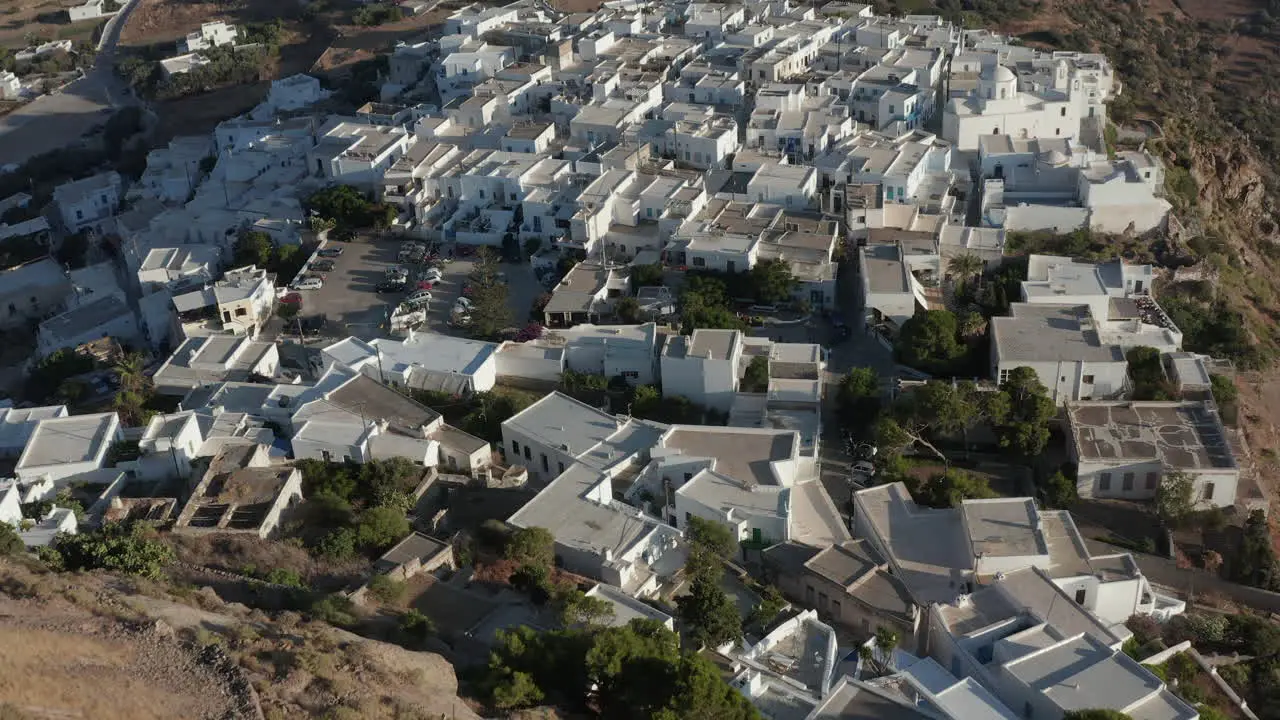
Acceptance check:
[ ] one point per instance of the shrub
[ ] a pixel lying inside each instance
(339, 544)
(282, 576)
(1182, 668)
(533, 545)
(10, 542)
(129, 549)
(334, 609)
(385, 589)
(381, 527)
(1205, 628)
(415, 629)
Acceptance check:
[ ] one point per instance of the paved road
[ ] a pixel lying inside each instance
(53, 121)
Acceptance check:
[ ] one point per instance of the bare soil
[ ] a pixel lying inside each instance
(97, 645)
(63, 654)
(46, 20)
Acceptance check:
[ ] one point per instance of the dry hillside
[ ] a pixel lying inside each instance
(74, 645)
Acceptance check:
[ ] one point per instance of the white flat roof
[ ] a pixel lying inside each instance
(72, 439)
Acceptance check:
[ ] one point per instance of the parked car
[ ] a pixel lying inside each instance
(396, 270)
(391, 286)
(309, 282)
(292, 298)
(322, 265)
(419, 296)
(462, 305)
(433, 275)
(329, 252)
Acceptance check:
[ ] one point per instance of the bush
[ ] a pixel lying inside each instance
(415, 629)
(534, 580)
(130, 549)
(10, 542)
(337, 545)
(1182, 668)
(378, 14)
(334, 609)
(380, 528)
(1205, 628)
(282, 576)
(532, 546)
(385, 589)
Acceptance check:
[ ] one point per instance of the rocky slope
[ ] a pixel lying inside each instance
(73, 644)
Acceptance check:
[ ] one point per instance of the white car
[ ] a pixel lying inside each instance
(419, 296)
(462, 305)
(311, 283)
(433, 275)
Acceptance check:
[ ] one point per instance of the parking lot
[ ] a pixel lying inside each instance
(351, 303)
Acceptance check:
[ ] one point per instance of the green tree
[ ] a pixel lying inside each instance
(1256, 562)
(518, 690)
(646, 275)
(346, 205)
(338, 544)
(532, 545)
(928, 341)
(381, 527)
(1175, 498)
(755, 379)
(1147, 374)
(1020, 413)
(1059, 491)
(963, 268)
(131, 549)
(700, 692)
(858, 398)
(575, 607)
(771, 604)
(490, 313)
(712, 537)
(627, 309)
(10, 542)
(772, 281)
(949, 488)
(709, 613)
(705, 303)
(891, 438)
(416, 629)
(878, 655)
(253, 247)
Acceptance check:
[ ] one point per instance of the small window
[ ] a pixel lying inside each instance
(835, 609)
(546, 466)
(688, 477)
(1104, 481)
(688, 520)
(515, 447)
(1127, 482)
(527, 454)
(1088, 379)
(1153, 479)
(561, 465)
(1027, 711)
(699, 262)
(1064, 112)
(1208, 492)
(1080, 596)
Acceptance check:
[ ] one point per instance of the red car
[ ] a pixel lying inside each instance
(292, 299)
(424, 285)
